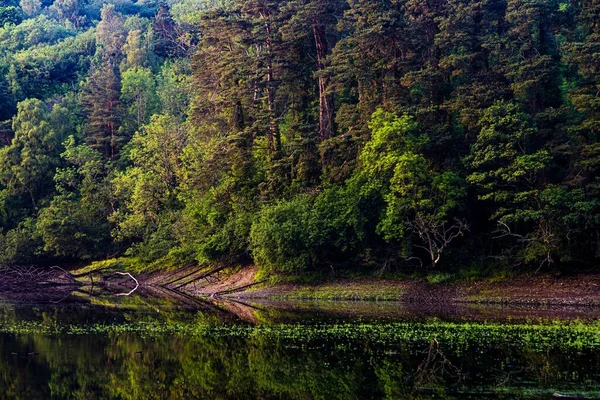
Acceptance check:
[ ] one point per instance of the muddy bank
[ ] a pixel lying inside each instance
(540, 289)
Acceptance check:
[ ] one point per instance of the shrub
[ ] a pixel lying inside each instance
(280, 239)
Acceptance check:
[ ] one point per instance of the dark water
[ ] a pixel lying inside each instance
(148, 348)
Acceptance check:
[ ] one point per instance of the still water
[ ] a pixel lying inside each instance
(161, 347)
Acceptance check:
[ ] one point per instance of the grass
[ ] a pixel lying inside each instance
(123, 264)
(440, 277)
(105, 266)
(358, 290)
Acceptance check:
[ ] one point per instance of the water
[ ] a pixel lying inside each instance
(145, 347)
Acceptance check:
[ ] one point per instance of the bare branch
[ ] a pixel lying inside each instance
(436, 235)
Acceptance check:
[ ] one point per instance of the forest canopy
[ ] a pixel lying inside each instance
(301, 135)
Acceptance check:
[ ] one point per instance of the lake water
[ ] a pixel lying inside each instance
(178, 347)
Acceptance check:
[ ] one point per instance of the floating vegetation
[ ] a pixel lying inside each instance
(538, 337)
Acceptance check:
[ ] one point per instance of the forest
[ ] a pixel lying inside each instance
(303, 136)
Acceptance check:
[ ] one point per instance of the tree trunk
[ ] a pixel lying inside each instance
(274, 138)
(326, 102)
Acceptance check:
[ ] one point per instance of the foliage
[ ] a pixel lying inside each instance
(281, 239)
(307, 136)
(75, 225)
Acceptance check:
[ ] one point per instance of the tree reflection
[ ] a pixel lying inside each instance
(258, 365)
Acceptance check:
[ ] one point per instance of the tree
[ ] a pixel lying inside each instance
(21, 244)
(369, 60)
(532, 66)
(50, 70)
(508, 169)
(366, 65)
(280, 239)
(138, 90)
(31, 7)
(173, 88)
(111, 34)
(68, 11)
(582, 54)
(469, 33)
(222, 73)
(75, 223)
(421, 205)
(263, 14)
(137, 49)
(166, 33)
(27, 164)
(100, 98)
(147, 191)
(10, 15)
(312, 134)
(316, 19)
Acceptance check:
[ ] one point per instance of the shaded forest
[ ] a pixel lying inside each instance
(301, 135)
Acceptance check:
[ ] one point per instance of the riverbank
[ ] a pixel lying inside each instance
(534, 289)
(246, 283)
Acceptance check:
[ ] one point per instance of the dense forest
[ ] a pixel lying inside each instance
(301, 135)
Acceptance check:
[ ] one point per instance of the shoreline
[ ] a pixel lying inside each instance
(522, 290)
(245, 283)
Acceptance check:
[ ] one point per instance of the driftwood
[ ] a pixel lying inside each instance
(137, 284)
(22, 278)
(30, 283)
(179, 278)
(35, 284)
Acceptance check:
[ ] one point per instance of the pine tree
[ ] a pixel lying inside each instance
(531, 59)
(469, 31)
(583, 53)
(166, 34)
(111, 34)
(315, 20)
(263, 14)
(100, 98)
(369, 61)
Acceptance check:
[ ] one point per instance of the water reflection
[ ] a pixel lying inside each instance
(122, 365)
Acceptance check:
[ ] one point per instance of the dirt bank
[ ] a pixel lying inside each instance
(545, 289)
